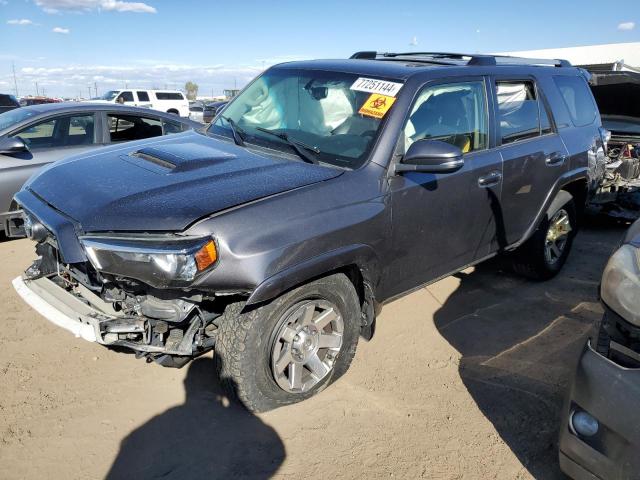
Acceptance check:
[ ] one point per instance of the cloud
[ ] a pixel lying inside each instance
(56, 6)
(4, 2)
(72, 80)
(626, 26)
(414, 42)
(22, 21)
(60, 30)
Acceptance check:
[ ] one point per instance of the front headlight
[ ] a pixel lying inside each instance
(621, 283)
(159, 263)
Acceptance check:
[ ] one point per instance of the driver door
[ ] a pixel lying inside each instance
(444, 221)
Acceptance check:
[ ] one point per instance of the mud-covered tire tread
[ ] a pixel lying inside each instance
(529, 261)
(236, 359)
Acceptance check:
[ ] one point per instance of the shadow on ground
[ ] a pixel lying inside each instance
(207, 437)
(519, 350)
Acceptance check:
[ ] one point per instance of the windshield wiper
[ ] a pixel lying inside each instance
(299, 147)
(236, 131)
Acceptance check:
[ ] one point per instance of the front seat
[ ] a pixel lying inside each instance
(443, 117)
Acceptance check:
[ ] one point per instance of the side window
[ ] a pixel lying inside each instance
(143, 96)
(125, 97)
(578, 99)
(59, 132)
(123, 128)
(81, 130)
(455, 113)
(172, 127)
(545, 122)
(40, 135)
(169, 96)
(518, 111)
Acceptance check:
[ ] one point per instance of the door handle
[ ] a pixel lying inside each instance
(555, 159)
(489, 180)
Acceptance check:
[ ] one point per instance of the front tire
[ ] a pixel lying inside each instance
(545, 253)
(292, 348)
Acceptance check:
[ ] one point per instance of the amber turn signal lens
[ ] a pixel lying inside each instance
(206, 256)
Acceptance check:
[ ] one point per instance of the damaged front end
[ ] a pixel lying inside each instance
(617, 94)
(131, 294)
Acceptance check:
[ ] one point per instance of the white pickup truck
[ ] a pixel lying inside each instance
(171, 101)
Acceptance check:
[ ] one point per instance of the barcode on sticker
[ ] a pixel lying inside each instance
(371, 85)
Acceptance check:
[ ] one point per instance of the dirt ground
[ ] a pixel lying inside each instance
(464, 379)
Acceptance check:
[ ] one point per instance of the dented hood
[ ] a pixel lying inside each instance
(167, 183)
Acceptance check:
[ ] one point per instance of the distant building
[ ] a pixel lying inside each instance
(612, 56)
(230, 93)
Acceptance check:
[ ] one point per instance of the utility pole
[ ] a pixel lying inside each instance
(89, 91)
(37, 89)
(95, 84)
(15, 82)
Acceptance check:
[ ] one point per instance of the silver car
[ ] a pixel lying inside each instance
(31, 137)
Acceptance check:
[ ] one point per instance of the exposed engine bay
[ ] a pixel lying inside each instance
(617, 94)
(618, 194)
(167, 326)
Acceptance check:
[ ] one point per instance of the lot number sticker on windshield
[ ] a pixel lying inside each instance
(376, 105)
(372, 85)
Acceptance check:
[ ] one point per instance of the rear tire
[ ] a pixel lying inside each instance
(311, 331)
(545, 253)
(173, 112)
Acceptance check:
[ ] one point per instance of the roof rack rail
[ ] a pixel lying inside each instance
(447, 58)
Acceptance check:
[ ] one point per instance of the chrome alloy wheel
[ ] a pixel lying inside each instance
(557, 236)
(306, 345)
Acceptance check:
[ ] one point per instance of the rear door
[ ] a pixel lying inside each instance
(125, 127)
(143, 98)
(533, 153)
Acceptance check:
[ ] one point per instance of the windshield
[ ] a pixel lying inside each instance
(7, 119)
(319, 110)
(110, 95)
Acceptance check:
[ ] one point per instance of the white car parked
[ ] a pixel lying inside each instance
(171, 101)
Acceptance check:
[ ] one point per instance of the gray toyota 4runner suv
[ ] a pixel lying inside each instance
(322, 191)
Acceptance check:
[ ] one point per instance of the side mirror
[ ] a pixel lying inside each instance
(431, 156)
(10, 145)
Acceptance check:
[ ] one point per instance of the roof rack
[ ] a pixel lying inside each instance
(447, 58)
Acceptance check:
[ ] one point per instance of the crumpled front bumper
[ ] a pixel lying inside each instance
(59, 307)
(86, 320)
(611, 394)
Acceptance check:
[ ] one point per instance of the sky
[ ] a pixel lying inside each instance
(67, 46)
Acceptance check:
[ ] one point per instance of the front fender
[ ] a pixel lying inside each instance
(362, 256)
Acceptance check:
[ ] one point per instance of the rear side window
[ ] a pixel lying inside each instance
(545, 123)
(172, 127)
(143, 96)
(455, 113)
(518, 111)
(578, 99)
(169, 96)
(123, 128)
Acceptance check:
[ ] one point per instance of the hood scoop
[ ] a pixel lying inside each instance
(169, 159)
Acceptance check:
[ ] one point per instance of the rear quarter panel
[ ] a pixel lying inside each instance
(583, 144)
